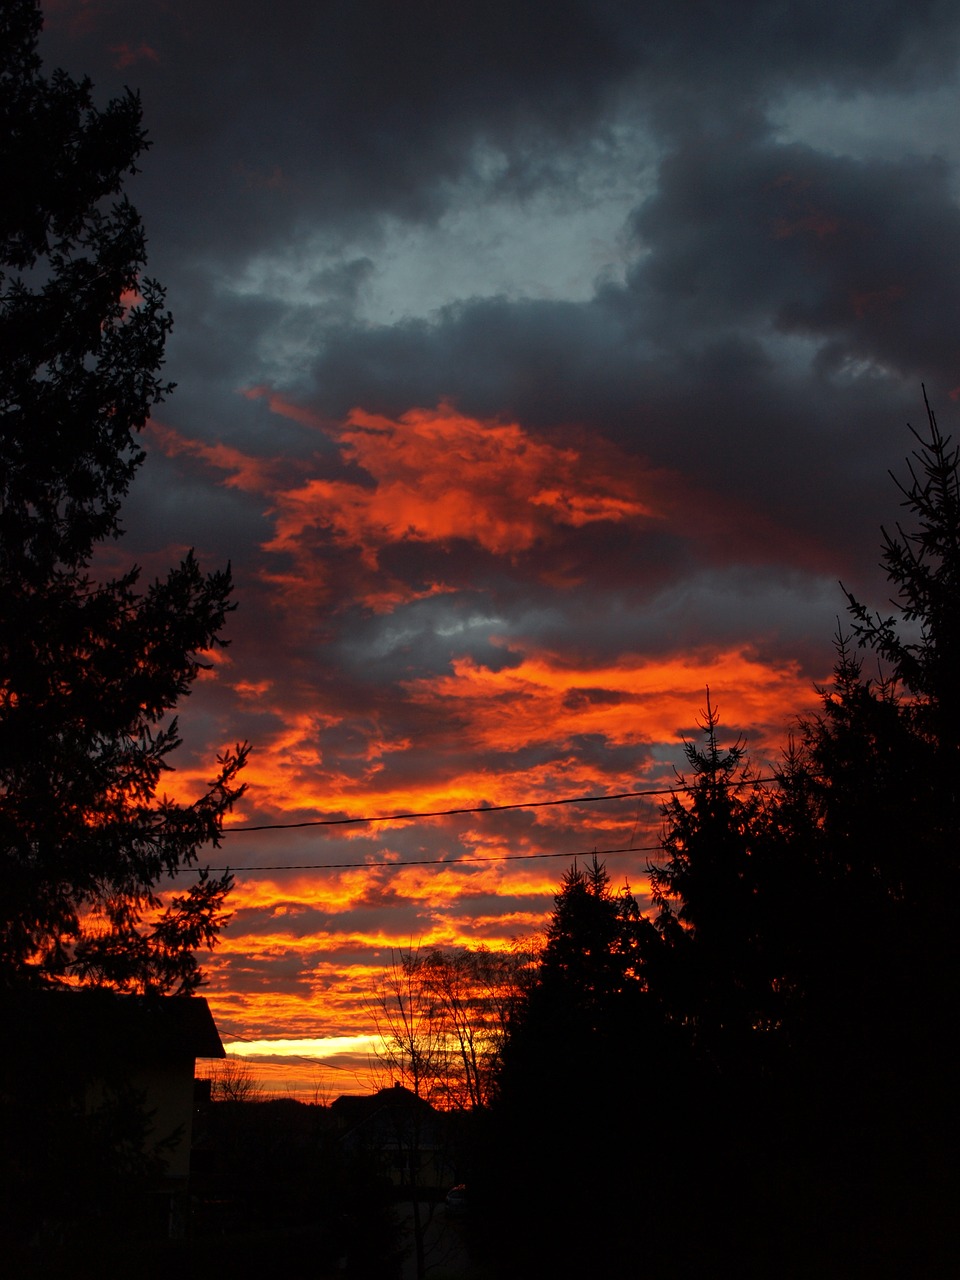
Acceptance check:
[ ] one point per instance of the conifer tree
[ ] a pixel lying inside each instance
(920, 641)
(90, 670)
(874, 814)
(582, 1039)
(881, 759)
(712, 970)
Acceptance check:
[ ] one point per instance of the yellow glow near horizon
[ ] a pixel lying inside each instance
(328, 1047)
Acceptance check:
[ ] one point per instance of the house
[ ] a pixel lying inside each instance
(111, 1072)
(409, 1138)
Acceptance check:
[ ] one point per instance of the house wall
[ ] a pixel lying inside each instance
(168, 1089)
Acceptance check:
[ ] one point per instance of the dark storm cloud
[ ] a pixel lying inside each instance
(273, 114)
(296, 117)
(862, 255)
(169, 496)
(777, 286)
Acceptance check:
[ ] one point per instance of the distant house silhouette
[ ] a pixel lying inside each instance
(84, 1051)
(408, 1136)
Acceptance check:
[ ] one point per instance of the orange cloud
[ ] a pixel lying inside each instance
(243, 472)
(541, 702)
(439, 476)
(342, 891)
(436, 476)
(303, 951)
(634, 700)
(430, 476)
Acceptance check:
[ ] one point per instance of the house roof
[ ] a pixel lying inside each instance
(383, 1112)
(91, 1020)
(357, 1106)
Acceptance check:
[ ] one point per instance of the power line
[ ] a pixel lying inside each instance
(484, 808)
(426, 862)
(440, 813)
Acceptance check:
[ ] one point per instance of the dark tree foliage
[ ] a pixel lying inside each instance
(90, 670)
(781, 1030)
(923, 566)
(883, 822)
(583, 1039)
(882, 758)
(869, 784)
(591, 958)
(588, 989)
(714, 971)
(868, 826)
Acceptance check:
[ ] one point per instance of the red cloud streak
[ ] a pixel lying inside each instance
(301, 955)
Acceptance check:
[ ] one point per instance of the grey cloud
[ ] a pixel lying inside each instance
(859, 253)
(281, 121)
(291, 113)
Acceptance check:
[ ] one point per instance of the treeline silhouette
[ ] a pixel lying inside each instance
(758, 1076)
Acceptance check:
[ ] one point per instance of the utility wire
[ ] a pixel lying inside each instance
(451, 862)
(427, 862)
(484, 808)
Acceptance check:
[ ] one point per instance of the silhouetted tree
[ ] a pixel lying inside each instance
(414, 1052)
(413, 1049)
(587, 991)
(803, 948)
(233, 1081)
(882, 757)
(921, 641)
(869, 825)
(469, 994)
(713, 971)
(584, 1049)
(90, 671)
(590, 952)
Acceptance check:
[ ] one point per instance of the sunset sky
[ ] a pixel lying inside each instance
(537, 366)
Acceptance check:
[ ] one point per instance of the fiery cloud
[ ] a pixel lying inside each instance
(497, 715)
(439, 476)
(541, 698)
(428, 477)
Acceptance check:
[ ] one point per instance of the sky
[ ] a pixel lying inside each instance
(538, 365)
